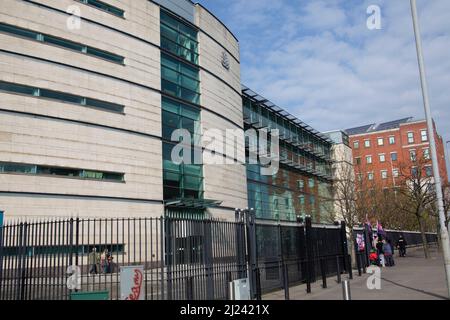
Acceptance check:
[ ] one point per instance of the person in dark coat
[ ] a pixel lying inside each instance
(401, 245)
(380, 251)
(388, 254)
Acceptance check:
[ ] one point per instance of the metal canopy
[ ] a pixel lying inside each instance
(193, 203)
(283, 113)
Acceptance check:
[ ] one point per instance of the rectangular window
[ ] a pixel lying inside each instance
(179, 38)
(180, 180)
(395, 173)
(301, 184)
(429, 171)
(392, 140)
(426, 154)
(370, 176)
(6, 28)
(311, 183)
(414, 172)
(358, 161)
(394, 156)
(356, 145)
(410, 137)
(105, 7)
(17, 88)
(384, 174)
(367, 143)
(63, 43)
(380, 141)
(412, 155)
(424, 135)
(180, 79)
(382, 157)
(59, 171)
(369, 159)
(60, 96)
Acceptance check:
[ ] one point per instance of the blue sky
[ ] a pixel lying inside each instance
(318, 59)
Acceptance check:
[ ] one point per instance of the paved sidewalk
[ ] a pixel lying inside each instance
(413, 278)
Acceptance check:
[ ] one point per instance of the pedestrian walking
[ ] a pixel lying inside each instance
(109, 261)
(380, 252)
(104, 261)
(388, 254)
(401, 245)
(93, 260)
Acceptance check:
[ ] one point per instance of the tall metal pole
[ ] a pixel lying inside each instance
(448, 188)
(434, 158)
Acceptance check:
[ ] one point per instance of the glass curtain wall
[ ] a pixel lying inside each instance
(292, 191)
(180, 82)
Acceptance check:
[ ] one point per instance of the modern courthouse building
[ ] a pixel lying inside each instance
(382, 150)
(90, 93)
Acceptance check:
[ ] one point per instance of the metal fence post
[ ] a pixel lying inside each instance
(209, 260)
(1, 254)
(258, 284)
(286, 281)
(309, 253)
(251, 249)
(189, 288)
(338, 269)
(368, 245)
(240, 244)
(358, 263)
(228, 285)
(23, 259)
(347, 257)
(324, 273)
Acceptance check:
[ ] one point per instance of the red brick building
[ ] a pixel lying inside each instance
(381, 150)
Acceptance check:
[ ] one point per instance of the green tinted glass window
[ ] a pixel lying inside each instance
(64, 43)
(179, 38)
(106, 7)
(61, 43)
(17, 88)
(18, 31)
(104, 105)
(104, 55)
(60, 96)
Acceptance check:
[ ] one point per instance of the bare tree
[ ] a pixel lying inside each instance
(446, 192)
(417, 195)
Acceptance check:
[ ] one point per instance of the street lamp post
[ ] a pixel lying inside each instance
(448, 152)
(437, 177)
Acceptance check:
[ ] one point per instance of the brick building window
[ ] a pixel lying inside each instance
(367, 143)
(391, 140)
(380, 141)
(426, 154)
(424, 135)
(394, 156)
(410, 137)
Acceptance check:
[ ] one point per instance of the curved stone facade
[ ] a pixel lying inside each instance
(55, 137)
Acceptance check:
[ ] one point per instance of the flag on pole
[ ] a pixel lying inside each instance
(380, 229)
(368, 221)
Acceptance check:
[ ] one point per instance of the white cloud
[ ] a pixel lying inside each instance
(318, 60)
